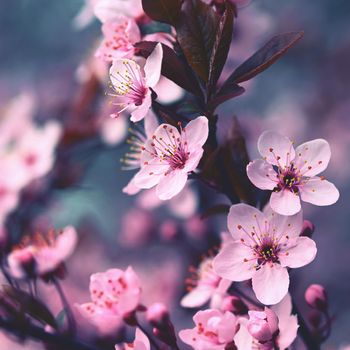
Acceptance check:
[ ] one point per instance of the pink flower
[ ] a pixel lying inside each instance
(276, 322)
(264, 245)
(291, 173)
(141, 342)
(119, 37)
(132, 85)
(106, 10)
(114, 293)
(214, 330)
(170, 155)
(206, 285)
(42, 254)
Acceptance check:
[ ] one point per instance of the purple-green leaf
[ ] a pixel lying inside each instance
(166, 11)
(265, 57)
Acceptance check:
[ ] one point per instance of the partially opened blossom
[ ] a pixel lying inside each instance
(214, 330)
(291, 173)
(204, 286)
(114, 293)
(42, 254)
(106, 10)
(169, 156)
(272, 328)
(141, 342)
(132, 84)
(119, 37)
(264, 246)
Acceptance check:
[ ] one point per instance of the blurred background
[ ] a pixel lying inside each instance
(305, 96)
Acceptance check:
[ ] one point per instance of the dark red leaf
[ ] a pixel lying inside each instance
(196, 32)
(166, 11)
(172, 67)
(221, 46)
(230, 91)
(265, 57)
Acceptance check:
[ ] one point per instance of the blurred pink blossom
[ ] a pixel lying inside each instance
(43, 254)
(291, 173)
(141, 342)
(170, 155)
(132, 84)
(119, 37)
(264, 246)
(113, 131)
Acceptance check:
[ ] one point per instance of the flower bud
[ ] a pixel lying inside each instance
(157, 314)
(234, 304)
(316, 297)
(262, 325)
(308, 229)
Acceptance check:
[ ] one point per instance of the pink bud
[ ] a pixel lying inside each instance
(157, 314)
(234, 304)
(262, 325)
(308, 229)
(316, 297)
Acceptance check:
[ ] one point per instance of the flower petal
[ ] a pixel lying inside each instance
(141, 111)
(285, 202)
(171, 184)
(150, 123)
(275, 148)
(243, 219)
(146, 177)
(193, 160)
(153, 66)
(131, 189)
(312, 157)
(196, 133)
(270, 283)
(120, 67)
(197, 297)
(262, 174)
(319, 192)
(299, 252)
(235, 262)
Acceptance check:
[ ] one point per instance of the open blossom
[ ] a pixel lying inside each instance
(114, 293)
(106, 10)
(264, 246)
(268, 329)
(120, 35)
(42, 254)
(206, 285)
(170, 155)
(132, 84)
(141, 342)
(291, 173)
(213, 330)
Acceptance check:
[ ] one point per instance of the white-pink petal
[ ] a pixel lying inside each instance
(319, 191)
(275, 148)
(196, 133)
(171, 184)
(285, 202)
(270, 283)
(262, 174)
(141, 111)
(153, 66)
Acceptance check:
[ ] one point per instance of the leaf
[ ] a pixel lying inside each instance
(172, 67)
(265, 57)
(221, 46)
(196, 32)
(230, 91)
(29, 305)
(166, 11)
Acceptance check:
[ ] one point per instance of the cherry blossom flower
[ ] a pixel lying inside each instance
(120, 35)
(106, 10)
(214, 330)
(170, 155)
(291, 173)
(132, 85)
(264, 245)
(206, 285)
(114, 293)
(141, 342)
(41, 254)
(273, 327)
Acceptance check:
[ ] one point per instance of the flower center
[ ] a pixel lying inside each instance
(288, 179)
(178, 159)
(267, 252)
